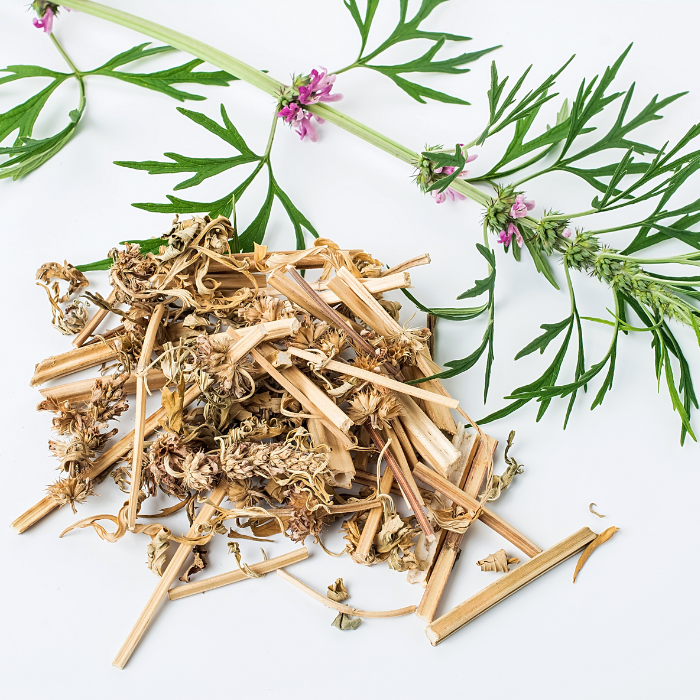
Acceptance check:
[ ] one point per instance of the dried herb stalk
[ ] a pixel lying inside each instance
(505, 586)
(74, 361)
(93, 324)
(486, 516)
(168, 578)
(263, 567)
(140, 427)
(339, 606)
(80, 390)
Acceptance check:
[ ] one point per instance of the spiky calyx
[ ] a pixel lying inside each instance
(627, 277)
(498, 209)
(582, 252)
(549, 234)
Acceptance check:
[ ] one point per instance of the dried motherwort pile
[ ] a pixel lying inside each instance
(280, 395)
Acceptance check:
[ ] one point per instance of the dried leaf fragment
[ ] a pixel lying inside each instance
(337, 591)
(345, 622)
(590, 507)
(603, 537)
(199, 563)
(498, 561)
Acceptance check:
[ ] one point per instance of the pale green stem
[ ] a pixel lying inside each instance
(271, 137)
(564, 217)
(690, 259)
(260, 80)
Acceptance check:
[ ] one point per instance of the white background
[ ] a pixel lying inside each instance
(628, 626)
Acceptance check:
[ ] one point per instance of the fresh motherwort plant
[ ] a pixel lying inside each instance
(635, 174)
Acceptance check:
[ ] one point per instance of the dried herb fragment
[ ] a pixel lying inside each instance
(498, 561)
(345, 622)
(603, 537)
(337, 591)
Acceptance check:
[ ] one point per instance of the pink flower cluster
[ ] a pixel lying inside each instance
(318, 89)
(47, 12)
(440, 197)
(520, 208)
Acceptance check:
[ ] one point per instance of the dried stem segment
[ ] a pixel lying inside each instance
(101, 464)
(300, 396)
(261, 568)
(486, 516)
(72, 361)
(140, 427)
(82, 389)
(413, 262)
(378, 379)
(340, 459)
(374, 285)
(340, 322)
(311, 261)
(437, 412)
(408, 488)
(373, 519)
(430, 443)
(470, 482)
(339, 606)
(168, 578)
(92, 325)
(508, 584)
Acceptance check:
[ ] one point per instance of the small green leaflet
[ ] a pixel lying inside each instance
(407, 30)
(163, 81)
(27, 154)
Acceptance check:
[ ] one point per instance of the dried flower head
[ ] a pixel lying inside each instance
(197, 472)
(376, 405)
(70, 491)
(264, 308)
(231, 377)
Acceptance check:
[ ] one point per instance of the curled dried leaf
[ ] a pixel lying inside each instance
(498, 561)
(199, 563)
(337, 591)
(590, 507)
(603, 537)
(345, 622)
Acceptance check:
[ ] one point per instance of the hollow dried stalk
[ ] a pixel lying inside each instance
(261, 568)
(73, 361)
(488, 517)
(93, 324)
(425, 436)
(168, 578)
(375, 285)
(408, 487)
(378, 379)
(505, 586)
(449, 547)
(140, 425)
(82, 389)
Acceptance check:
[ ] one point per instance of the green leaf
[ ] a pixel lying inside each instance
(418, 92)
(408, 30)
(227, 132)
(23, 117)
(551, 331)
(299, 221)
(541, 263)
(456, 160)
(163, 81)
(257, 227)
(363, 24)
(458, 314)
(480, 286)
(202, 167)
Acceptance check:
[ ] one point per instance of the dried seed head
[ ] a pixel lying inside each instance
(376, 405)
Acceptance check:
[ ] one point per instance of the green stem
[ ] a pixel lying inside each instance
(689, 259)
(565, 217)
(66, 57)
(270, 138)
(346, 69)
(260, 80)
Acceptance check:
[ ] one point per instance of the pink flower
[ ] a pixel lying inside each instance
(506, 238)
(566, 233)
(46, 20)
(521, 207)
(440, 197)
(300, 119)
(318, 89)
